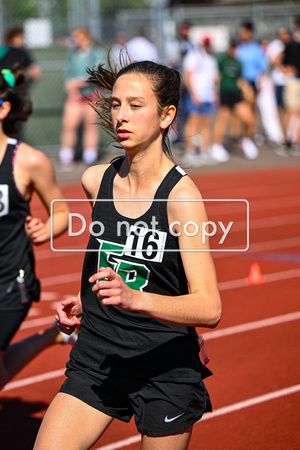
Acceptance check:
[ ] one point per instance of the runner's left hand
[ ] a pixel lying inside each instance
(112, 290)
(36, 230)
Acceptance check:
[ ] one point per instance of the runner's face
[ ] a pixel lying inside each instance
(134, 112)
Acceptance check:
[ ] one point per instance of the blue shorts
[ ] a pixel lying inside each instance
(204, 109)
(279, 95)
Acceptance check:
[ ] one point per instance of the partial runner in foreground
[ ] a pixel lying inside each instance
(23, 171)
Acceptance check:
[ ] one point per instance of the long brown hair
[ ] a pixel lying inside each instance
(166, 85)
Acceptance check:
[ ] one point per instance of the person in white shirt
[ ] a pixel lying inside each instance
(201, 77)
(140, 48)
(119, 46)
(175, 51)
(274, 54)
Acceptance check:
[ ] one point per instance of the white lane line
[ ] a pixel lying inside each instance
(121, 444)
(265, 222)
(73, 277)
(33, 312)
(46, 254)
(274, 203)
(273, 221)
(50, 296)
(250, 326)
(252, 401)
(255, 205)
(263, 246)
(276, 244)
(218, 412)
(253, 192)
(37, 322)
(223, 286)
(254, 247)
(35, 379)
(241, 227)
(208, 335)
(61, 279)
(268, 278)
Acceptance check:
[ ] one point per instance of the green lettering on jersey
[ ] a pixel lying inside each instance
(135, 275)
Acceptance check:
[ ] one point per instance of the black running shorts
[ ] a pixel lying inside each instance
(159, 408)
(230, 100)
(10, 322)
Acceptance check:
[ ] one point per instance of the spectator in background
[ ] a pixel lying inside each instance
(291, 66)
(77, 109)
(296, 34)
(121, 39)
(176, 50)
(274, 54)
(270, 96)
(140, 48)
(251, 55)
(16, 54)
(232, 103)
(201, 77)
(253, 59)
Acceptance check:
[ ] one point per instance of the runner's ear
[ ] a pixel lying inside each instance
(5, 108)
(167, 116)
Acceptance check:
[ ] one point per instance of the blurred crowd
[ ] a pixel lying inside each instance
(249, 94)
(233, 100)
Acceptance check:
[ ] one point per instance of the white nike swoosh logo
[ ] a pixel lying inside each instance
(167, 420)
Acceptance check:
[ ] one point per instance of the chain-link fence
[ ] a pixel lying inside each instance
(48, 25)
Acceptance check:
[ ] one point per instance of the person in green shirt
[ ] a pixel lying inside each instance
(235, 103)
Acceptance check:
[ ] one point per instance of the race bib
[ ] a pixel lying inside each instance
(4, 200)
(145, 244)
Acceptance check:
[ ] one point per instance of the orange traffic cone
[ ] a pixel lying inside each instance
(255, 276)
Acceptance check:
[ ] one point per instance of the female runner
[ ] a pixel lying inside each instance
(144, 287)
(23, 171)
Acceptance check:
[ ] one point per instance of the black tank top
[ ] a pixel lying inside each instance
(16, 251)
(122, 343)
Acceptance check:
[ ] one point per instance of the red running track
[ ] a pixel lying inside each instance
(254, 352)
